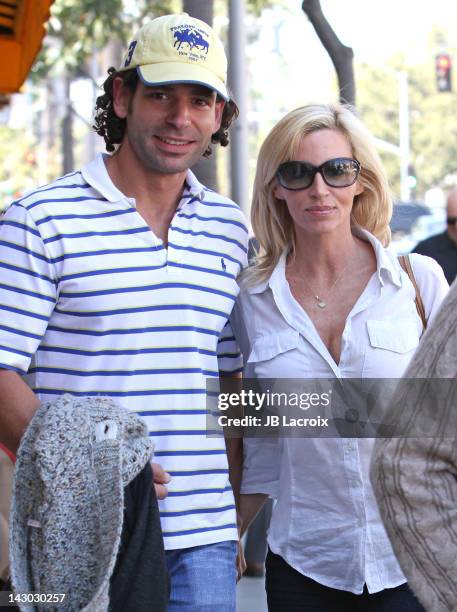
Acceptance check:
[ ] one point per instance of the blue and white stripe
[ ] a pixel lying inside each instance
(93, 303)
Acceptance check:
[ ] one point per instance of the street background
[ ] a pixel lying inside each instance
(45, 129)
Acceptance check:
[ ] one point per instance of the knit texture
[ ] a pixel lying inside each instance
(74, 460)
(415, 478)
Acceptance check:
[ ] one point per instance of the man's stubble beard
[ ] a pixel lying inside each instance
(156, 162)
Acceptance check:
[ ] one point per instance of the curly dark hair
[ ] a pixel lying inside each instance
(111, 128)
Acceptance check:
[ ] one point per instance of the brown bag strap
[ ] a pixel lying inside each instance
(406, 265)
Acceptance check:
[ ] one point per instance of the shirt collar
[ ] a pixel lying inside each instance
(276, 275)
(193, 187)
(386, 263)
(96, 174)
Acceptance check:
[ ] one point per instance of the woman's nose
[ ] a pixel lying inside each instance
(318, 186)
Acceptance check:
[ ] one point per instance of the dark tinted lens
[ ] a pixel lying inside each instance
(340, 172)
(451, 220)
(296, 175)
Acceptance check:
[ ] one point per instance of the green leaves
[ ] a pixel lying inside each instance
(79, 27)
(432, 117)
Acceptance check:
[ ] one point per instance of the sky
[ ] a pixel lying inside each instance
(375, 29)
(289, 54)
(288, 66)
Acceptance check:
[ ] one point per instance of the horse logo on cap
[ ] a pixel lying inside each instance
(192, 38)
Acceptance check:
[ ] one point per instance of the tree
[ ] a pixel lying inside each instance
(80, 26)
(341, 56)
(77, 29)
(18, 170)
(82, 29)
(206, 168)
(433, 122)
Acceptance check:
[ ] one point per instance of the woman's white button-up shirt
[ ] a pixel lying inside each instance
(325, 523)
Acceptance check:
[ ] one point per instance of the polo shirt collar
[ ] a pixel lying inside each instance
(193, 187)
(386, 263)
(96, 174)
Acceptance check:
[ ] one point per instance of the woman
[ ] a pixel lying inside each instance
(325, 299)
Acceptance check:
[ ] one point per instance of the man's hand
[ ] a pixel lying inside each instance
(240, 561)
(161, 478)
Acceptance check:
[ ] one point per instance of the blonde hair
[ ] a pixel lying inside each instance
(271, 221)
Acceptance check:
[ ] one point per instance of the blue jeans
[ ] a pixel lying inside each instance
(203, 578)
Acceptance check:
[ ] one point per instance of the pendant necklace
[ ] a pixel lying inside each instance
(321, 303)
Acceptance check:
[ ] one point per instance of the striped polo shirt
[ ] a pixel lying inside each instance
(93, 303)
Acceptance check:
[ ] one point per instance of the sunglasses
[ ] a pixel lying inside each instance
(338, 172)
(451, 220)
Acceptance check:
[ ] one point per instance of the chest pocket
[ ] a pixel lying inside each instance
(391, 346)
(269, 358)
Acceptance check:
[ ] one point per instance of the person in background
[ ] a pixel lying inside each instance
(443, 247)
(118, 280)
(325, 300)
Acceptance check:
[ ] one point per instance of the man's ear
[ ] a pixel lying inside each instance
(218, 109)
(121, 98)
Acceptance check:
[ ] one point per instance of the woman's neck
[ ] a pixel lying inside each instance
(324, 254)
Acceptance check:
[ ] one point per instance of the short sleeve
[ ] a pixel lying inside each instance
(228, 353)
(28, 288)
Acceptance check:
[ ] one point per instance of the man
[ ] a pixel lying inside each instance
(443, 247)
(415, 476)
(119, 280)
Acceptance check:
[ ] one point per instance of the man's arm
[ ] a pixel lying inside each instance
(250, 506)
(234, 447)
(247, 505)
(17, 406)
(28, 296)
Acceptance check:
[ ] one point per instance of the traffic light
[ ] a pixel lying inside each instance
(443, 72)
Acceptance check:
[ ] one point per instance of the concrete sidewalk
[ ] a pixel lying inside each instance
(251, 595)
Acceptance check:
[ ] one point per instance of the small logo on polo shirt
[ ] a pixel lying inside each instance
(223, 266)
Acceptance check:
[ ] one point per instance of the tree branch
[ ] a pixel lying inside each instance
(341, 55)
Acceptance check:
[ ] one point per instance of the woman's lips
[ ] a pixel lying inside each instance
(320, 211)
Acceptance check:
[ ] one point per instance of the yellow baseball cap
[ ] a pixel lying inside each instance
(178, 49)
